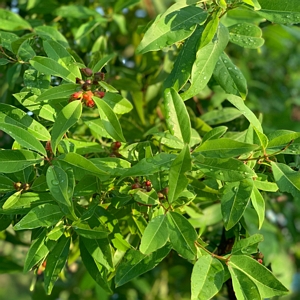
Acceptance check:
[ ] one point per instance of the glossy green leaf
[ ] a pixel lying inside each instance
(225, 169)
(109, 120)
(234, 201)
(265, 185)
(275, 11)
(44, 215)
(100, 250)
(135, 263)
(182, 235)
(224, 148)
(223, 115)
(51, 67)
(211, 27)
(102, 62)
(287, 179)
(51, 33)
(177, 117)
(144, 197)
(229, 77)
(247, 245)
(66, 118)
(6, 184)
(207, 278)
(155, 235)
(171, 27)
(95, 269)
(249, 115)
(112, 165)
(56, 260)
(23, 137)
(258, 203)
(37, 251)
(282, 140)
(266, 282)
(246, 35)
(12, 200)
(118, 103)
(206, 59)
(6, 40)
(182, 68)
(12, 22)
(58, 92)
(15, 160)
(177, 179)
(25, 51)
(253, 3)
(83, 229)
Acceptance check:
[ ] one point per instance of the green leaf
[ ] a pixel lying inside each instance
(44, 215)
(109, 120)
(287, 179)
(135, 263)
(12, 161)
(118, 103)
(25, 51)
(207, 278)
(215, 133)
(246, 35)
(177, 179)
(7, 265)
(265, 185)
(37, 251)
(247, 245)
(56, 260)
(7, 39)
(177, 117)
(6, 184)
(258, 203)
(12, 22)
(103, 61)
(51, 67)
(100, 250)
(225, 169)
(12, 200)
(144, 197)
(23, 137)
(58, 92)
(234, 201)
(240, 105)
(275, 11)
(66, 118)
(210, 29)
(206, 59)
(51, 33)
(223, 115)
(265, 281)
(95, 269)
(83, 229)
(182, 68)
(224, 148)
(279, 140)
(155, 235)
(172, 26)
(229, 77)
(182, 235)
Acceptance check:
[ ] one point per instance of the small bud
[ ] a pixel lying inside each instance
(26, 186)
(79, 81)
(260, 260)
(99, 76)
(99, 94)
(135, 186)
(116, 145)
(87, 72)
(148, 183)
(48, 146)
(87, 96)
(17, 185)
(148, 188)
(76, 96)
(90, 103)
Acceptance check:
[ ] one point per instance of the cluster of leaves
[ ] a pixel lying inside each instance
(73, 174)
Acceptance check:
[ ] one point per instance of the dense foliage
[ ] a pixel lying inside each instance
(150, 149)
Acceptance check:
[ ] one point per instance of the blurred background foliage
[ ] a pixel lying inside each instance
(96, 27)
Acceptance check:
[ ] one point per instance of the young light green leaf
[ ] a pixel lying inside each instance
(144, 197)
(229, 77)
(155, 235)
(265, 185)
(23, 137)
(171, 27)
(66, 118)
(12, 200)
(56, 260)
(58, 92)
(234, 201)
(225, 169)
(102, 62)
(177, 117)
(135, 263)
(215, 133)
(182, 235)
(118, 103)
(95, 269)
(37, 251)
(84, 229)
(12, 22)
(16, 160)
(44, 215)
(205, 62)
(266, 282)
(177, 179)
(109, 120)
(100, 250)
(240, 105)
(207, 278)
(224, 148)
(287, 179)
(258, 203)
(246, 35)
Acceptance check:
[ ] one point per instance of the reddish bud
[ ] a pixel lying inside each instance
(87, 96)
(44, 263)
(147, 183)
(87, 72)
(260, 260)
(90, 103)
(48, 146)
(116, 145)
(76, 96)
(135, 186)
(99, 94)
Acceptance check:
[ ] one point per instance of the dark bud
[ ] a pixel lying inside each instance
(17, 185)
(135, 186)
(116, 145)
(86, 86)
(148, 188)
(99, 76)
(26, 186)
(87, 72)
